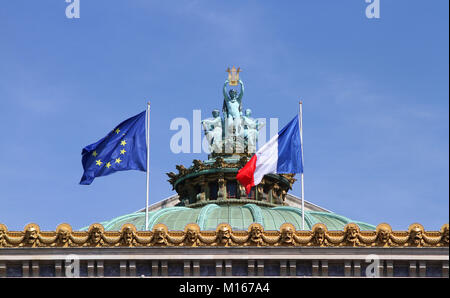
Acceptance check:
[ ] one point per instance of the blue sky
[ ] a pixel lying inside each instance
(375, 92)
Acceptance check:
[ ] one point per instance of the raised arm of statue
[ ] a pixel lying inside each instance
(226, 98)
(242, 91)
(225, 94)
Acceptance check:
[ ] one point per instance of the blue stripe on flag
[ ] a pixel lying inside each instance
(289, 148)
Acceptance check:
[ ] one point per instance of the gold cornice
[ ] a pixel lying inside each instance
(319, 236)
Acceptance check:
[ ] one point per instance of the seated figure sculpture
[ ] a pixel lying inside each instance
(250, 130)
(213, 132)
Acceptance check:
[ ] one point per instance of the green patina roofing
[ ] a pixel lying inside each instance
(238, 216)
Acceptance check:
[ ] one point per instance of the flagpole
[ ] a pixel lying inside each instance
(302, 182)
(148, 163)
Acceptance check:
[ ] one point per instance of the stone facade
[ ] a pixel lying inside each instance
(225, 261)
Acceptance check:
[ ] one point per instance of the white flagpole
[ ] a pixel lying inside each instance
(302, 182)
(148, 163)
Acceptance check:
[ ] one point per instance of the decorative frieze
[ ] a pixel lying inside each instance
(192, 236)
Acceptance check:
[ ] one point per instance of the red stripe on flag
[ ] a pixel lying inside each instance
(246, 175)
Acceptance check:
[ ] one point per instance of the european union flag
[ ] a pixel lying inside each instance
(124, 148)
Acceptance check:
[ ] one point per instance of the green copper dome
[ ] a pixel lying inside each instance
(238, 216)
(209, 194)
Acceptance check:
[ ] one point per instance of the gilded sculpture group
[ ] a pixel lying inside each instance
(319, 236)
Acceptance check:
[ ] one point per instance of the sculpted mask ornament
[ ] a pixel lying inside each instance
(95, 233)
(319, 235)
(223, 233)
(63, 233)
(128, 233)
(3, 230)
(160, 235)
(31, 237)
(192, 233)
(444, 235)
(383, 235)
(351, 234)
(256, 234)
(416, 235)
(287, 234)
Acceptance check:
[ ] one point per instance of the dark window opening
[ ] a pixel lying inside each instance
(336, 270)
(239, 269)
(213, 189)
(231, 190)
(207, 269)
(175, 269)
(304, 269)
(47, 270)
(14, 270)
(272, 269)
(111, 269)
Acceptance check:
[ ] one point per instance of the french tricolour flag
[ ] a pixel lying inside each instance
(281, 154)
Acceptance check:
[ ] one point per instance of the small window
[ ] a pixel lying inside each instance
(112, 269)
(213, 189)
(271, 268)
(14, 270)
(304, 269)
(231, 190)
(336, 269)
(46, 270)
(401, 269)
(434, 269)
(143, 269)
(208, 269)
(239, 268)
(175, 269)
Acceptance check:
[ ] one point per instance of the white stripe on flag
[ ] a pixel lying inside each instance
(266, 160)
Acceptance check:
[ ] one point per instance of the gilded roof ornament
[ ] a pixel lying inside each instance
(193, 236)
